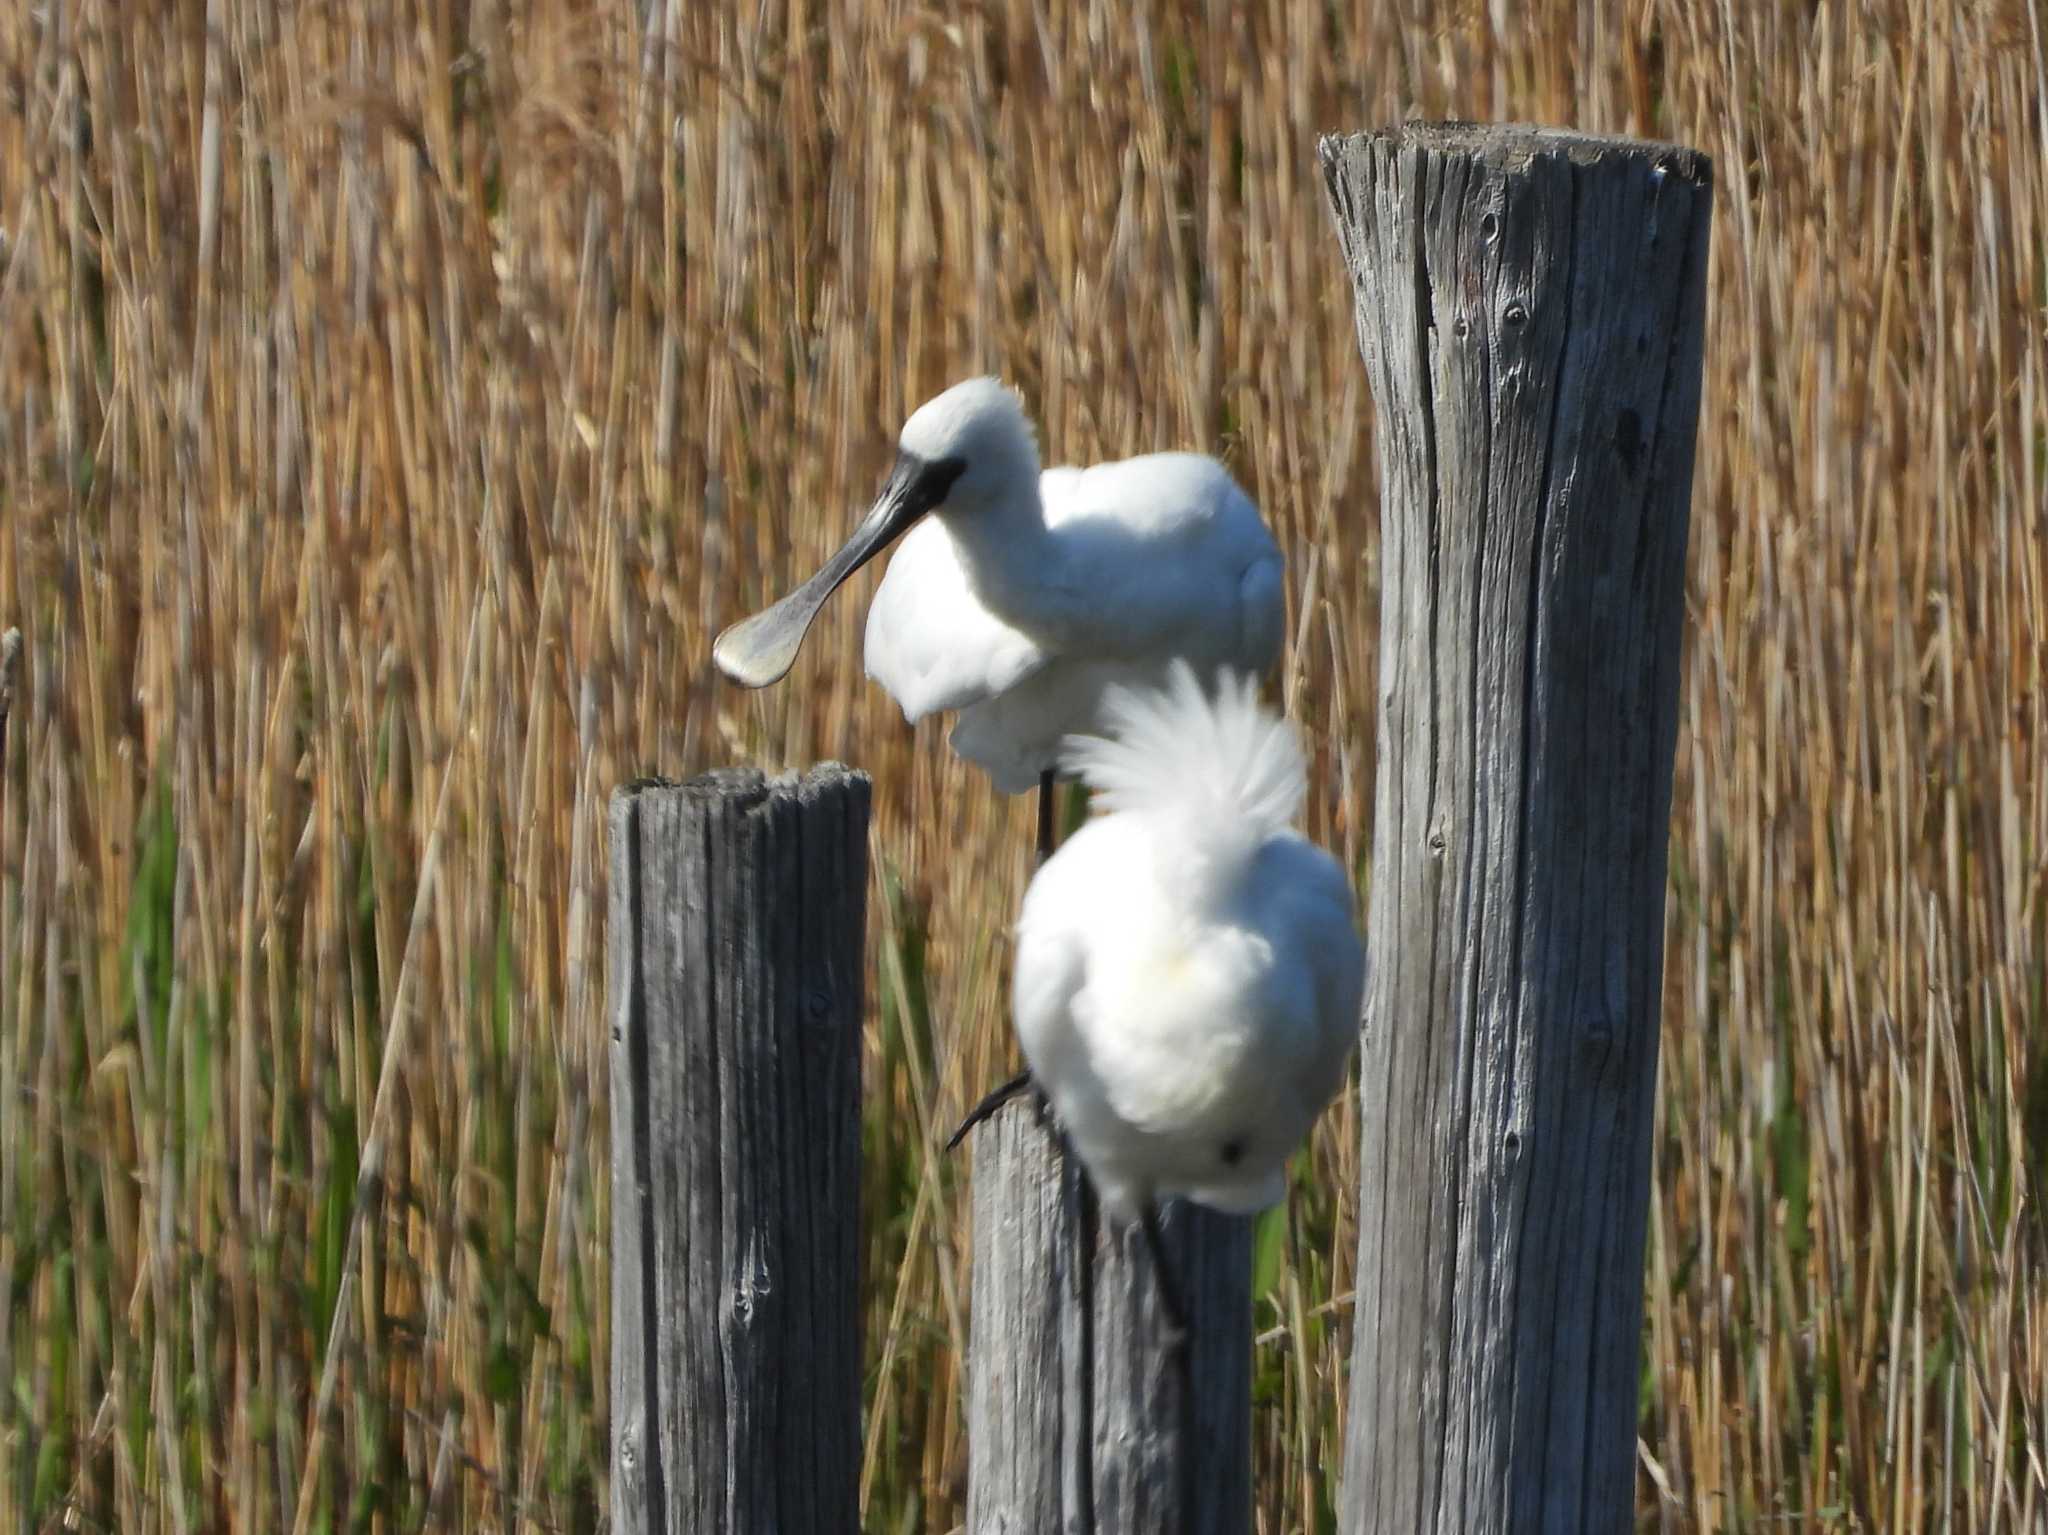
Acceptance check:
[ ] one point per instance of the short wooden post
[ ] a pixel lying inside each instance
(736, 930)
(1529, 306)
(1078, 1418)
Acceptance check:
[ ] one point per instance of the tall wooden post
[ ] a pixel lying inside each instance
(1080, 1416)
(737, 910)
(1529, 306)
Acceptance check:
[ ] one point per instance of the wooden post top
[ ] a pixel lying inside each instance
(1510, 144)
(746, 783)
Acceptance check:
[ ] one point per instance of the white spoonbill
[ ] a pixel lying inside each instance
(1188, 970)
(1028, 594)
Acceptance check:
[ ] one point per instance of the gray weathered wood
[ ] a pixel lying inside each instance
(1079, 1420)
(737, 913)
(1529, 306)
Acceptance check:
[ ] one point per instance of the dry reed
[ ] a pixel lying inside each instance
(393, 401)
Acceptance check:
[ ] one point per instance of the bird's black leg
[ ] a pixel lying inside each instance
(1170, 1299)
(1046, 791)
(988, 1105)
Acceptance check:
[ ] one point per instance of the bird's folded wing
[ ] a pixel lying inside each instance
(1330, 953)
(1047, 978)
(1178, 561)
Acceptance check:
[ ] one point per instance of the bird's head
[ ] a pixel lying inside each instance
(967, 446)
(958, 452)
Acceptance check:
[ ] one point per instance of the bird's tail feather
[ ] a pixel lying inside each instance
(1227, 769)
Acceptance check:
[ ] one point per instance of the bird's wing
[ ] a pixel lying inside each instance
(1261, 614)
(930, 642)
(1324, 940)
(1175, 559)
(1155, 495)
(1071, 913)
(1050, 973)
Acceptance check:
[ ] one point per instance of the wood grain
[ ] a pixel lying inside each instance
(736, 933)
(1081, 1418)
(1529, 306)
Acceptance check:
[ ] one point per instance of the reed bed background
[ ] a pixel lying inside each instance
(393, 403)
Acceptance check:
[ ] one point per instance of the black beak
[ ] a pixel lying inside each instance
(759, 650)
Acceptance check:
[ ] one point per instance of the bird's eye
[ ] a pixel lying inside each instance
(939, 476)
(1233, 1153)
(923, 483)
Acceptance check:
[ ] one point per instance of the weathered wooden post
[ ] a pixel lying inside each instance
(1530, 306)
(1080, 1416)
(736, 929)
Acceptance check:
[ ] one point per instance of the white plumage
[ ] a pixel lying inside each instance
(1019, 614)
(1028, 594)
(1188, 971)
(1017, 597)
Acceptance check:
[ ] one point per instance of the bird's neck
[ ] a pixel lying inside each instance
(1011, 558)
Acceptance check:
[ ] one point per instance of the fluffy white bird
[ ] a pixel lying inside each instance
(1188, 970)
(1023, 596)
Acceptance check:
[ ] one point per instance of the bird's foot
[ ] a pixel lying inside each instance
(988, 1105)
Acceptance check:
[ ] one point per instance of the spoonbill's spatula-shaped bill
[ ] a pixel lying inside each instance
(760, 650)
